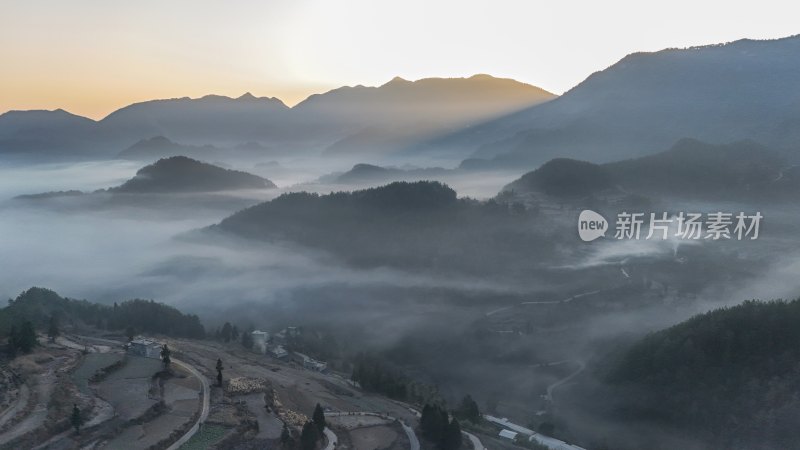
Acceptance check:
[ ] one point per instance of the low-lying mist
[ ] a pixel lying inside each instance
(454, 331)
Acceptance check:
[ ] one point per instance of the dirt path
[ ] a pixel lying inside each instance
(44, 384)
(19, 405)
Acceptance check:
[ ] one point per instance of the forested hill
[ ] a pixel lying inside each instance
(743, 170)
(730, 377)
(38, 305)
(182, 174)
(419, 226)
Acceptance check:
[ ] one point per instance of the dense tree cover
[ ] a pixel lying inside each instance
(562, 177)
(38, 305)
(182, 174)
(22, 338)
(247, 339)
(730, 377)
(375, 374)
(417, 226)
(468, 410)
(439, 428)
(691, 168)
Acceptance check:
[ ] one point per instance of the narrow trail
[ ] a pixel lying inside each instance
(552, 387)
(549, 302)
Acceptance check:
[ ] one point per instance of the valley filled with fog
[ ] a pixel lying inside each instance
(429, 231)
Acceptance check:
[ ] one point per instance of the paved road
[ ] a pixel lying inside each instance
(551, 443)
(331, 437)
(476, 443)
(203, 412)
(412, 437)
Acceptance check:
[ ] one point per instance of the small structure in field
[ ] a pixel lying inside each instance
(508, 434)
(309, 362)
(147, 348)
(260, 339)
(278, 352)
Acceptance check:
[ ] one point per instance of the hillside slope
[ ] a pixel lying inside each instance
(718, 93)
(182, 174)
(729, 377)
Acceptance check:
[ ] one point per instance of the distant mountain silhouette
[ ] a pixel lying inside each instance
(350, 120)
(182, 174)
(23, 133)
(401, 113)
(368, 173)
(211, 119)
(160, 147)
(691, 168)
(719, 93)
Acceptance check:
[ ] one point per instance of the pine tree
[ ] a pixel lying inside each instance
(219, 372)
(247, 340)
(226, 332)
(52, 329)
(469, 410)
(319, 419)
(309, 436)
(76, 419)
(25, 338)
(165, 356)
(130, 333)
(286, 436)
(452, 436)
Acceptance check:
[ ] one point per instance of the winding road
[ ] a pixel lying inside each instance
(550, 302)
(412, 437)
(552, 387)
(203, 412)
(331, 437)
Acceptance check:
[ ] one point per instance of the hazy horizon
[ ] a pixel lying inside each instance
(291, 51)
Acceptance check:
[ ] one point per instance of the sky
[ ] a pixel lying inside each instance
(91, 57)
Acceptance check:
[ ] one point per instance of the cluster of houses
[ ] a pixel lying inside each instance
(263, 343)
(275, 346)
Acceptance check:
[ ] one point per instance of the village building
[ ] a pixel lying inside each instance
(144, 347)
(260, 339)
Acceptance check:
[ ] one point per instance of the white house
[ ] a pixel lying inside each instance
(260, 339)
(145, 347)
(277, 351)
(310, 363)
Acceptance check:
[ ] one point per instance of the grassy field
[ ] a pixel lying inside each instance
(92, 363)
(208, 435)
